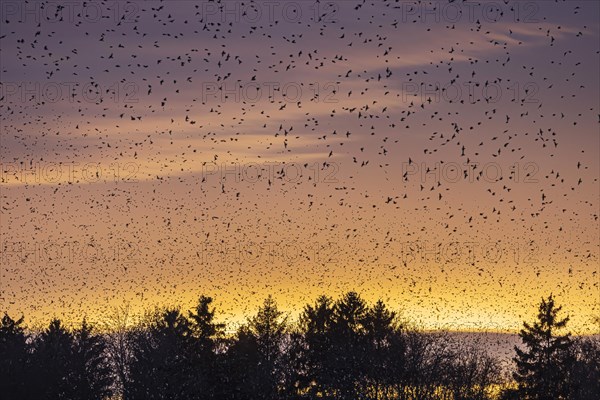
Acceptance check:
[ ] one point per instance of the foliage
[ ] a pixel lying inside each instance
(339, 349)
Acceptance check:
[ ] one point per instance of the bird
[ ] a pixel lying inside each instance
(161, 150)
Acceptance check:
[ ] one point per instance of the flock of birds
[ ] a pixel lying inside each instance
(373, 107)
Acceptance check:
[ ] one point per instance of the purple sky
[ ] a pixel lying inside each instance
(442, 157)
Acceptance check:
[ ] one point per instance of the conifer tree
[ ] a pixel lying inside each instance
(541, 364)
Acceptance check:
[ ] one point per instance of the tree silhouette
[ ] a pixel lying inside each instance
(243, 380)
(426, 362)
(119, 348)
(335, 346)
(396, 375)
(542, 367)
(470, 374)
(294, 367)
(161, 365)
(379, 330)
(204, 328)
(349, 344)
(339, 350)
(584, 374)
(207, 336)
(317, 356)
(13, 358)
(255, 357)
(52, 363)
(91, 377)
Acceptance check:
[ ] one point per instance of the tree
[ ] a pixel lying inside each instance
(206, 337)
(13, 358)
(294, 367)
(242, 361)
(268, 327)
(346, 348)
(425, 362)
(161, 366)
(91, 377)
(204, 328)
(119, 348)
(379, 329)
(318, 356)
(349, 345)
(340, 350)
(584, 375)
(51, 364)
(470, 373)
(255, 357)
(542, 366)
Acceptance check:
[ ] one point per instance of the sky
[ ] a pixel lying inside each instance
(440, 156)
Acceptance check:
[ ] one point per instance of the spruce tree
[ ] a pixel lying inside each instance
(541, 365)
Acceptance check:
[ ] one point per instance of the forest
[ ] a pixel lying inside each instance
(337, 349)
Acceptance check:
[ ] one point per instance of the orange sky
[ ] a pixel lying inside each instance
(131, 191)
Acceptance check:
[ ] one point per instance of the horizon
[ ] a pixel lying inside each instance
(102, 324)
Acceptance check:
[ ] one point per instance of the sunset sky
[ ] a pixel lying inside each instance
(441, 157)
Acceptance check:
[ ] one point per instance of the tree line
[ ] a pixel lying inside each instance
(342, 349)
